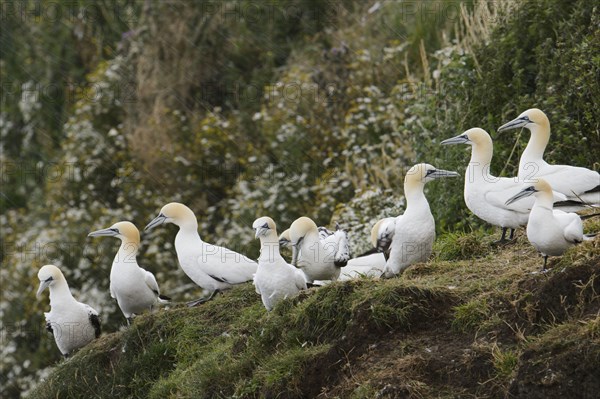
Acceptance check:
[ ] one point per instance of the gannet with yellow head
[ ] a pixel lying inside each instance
(550, 231)
(73, 324)
(318, 255)
(577, 183)
(415, 229)
(275, 279)
(486, 194)
(134, 288)
(212, 267)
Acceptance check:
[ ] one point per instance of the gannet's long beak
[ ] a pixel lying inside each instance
(526, 192)
(104, 233)
(439, 173)
(295, 251)
(157, 221)
(460, 139)
(515, 123)
(43, 286)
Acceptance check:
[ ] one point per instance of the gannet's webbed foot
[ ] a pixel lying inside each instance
(202, 300)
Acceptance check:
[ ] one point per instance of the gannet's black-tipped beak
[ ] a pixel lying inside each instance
(515, 124)
(439, 173)
(526, 192)
(460, 139)
(157, 221)
(110, 232)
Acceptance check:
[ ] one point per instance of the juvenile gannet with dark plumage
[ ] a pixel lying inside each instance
(319, 258)
(576, 183)
(134, 288)
(275, 279)
(550, 231)
(415, 229)
(486, 194)
(212, 267)
(73, 324)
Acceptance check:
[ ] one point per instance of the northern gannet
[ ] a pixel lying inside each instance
(275, 279)
(134, 288)
(367, 265)
(577, 183)
(550, 231)
(415, 229)
(485, 194)
(212, 267)
(73, 324)
(318, 254)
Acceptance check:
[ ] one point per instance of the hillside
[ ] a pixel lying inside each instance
(473, 322)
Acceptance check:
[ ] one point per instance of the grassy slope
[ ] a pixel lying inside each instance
(471, 322)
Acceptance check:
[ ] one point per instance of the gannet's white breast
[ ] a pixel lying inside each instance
(413, 239)
(210, 266)
(553, 232)
(73, 324)
(276, 280)
(134, 288)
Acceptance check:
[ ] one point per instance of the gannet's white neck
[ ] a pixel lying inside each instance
(269, 246)
(481, 159)
(534, 152)
(415, 197)
(544, 199)
(59, 292)
(128, 250)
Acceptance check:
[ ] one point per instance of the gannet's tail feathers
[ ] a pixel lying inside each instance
(163, 298)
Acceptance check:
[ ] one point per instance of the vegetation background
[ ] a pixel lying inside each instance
(244, 108)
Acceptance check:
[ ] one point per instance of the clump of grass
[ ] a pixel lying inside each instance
(505, 362)
(460, 246)
(471, 315)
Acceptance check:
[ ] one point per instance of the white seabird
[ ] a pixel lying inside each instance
(577, 183)
(319, 258)
(134, 288)
(415, 229)
(485, 194)
(369, 264)
(73, 324)
(550, 231)
(275, 279)
(211, 267)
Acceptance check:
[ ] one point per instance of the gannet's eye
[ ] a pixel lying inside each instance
(49, 279)
(430, 171)
(115, 230)
(265, 226)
